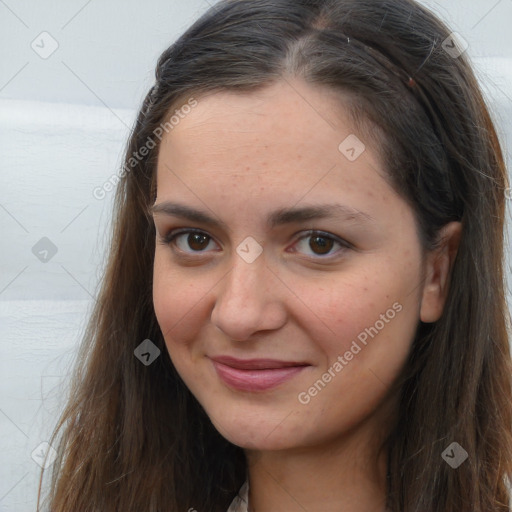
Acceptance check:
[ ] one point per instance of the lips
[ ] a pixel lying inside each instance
(256, 364)
(255, 374)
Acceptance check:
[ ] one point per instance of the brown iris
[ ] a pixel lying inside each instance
(323, 244)
(197, 241)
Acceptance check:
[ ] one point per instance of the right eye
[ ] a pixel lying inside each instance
(189, 241)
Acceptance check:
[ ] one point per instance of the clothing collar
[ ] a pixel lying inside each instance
(241, 500)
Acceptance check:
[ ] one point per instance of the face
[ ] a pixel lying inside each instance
(287, 272)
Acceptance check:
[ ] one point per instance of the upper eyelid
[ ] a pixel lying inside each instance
(305, 233)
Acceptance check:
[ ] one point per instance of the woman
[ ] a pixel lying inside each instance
(304, 303)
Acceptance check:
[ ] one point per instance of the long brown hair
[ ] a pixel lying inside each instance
(133, 438)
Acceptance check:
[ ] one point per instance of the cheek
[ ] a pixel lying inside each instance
(178, 302)
(369, 316)
(336, 310)
(362, 364)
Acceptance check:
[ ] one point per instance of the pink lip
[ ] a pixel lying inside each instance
(255, 374)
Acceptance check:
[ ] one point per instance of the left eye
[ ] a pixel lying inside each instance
(320, 244)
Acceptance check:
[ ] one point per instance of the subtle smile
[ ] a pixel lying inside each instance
(255, 374)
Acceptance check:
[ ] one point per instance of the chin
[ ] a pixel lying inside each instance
(257, 432)
(260, 441)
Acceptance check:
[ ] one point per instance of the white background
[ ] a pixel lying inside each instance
(64, 121)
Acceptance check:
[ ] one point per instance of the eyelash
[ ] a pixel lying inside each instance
(172, 235)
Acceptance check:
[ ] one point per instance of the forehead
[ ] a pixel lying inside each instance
(289, 134)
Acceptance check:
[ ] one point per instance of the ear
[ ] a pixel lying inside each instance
(437, 271)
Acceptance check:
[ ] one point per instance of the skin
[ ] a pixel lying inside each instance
(239, 157)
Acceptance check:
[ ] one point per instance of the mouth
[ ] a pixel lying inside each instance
(255, 374)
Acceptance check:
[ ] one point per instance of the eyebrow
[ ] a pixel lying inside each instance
(276, 218)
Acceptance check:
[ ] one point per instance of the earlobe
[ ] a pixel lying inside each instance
(438, 266)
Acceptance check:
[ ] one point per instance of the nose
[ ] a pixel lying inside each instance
(249, 299)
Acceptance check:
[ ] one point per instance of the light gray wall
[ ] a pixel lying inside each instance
(64, 120)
